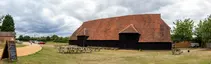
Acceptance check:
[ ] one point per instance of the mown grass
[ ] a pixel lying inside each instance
(55, 43)
(49, 55)
(20, 45)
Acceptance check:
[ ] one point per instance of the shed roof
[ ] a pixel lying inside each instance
(7, 34)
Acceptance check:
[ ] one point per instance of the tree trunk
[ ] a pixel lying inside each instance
(203, 44)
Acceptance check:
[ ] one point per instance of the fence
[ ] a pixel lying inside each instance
(77, 49)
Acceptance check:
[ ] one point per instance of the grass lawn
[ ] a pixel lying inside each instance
(55, 43)
(49, 55)
(20, 45)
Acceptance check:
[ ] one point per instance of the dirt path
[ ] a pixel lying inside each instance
(26, 50)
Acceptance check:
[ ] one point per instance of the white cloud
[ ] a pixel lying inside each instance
(113, 11)
(182, 9)
(47, 13)
(63, 17)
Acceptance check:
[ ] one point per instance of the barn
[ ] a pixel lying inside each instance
(141, 31)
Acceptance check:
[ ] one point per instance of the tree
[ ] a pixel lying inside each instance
(54, 37)
(20, 37)
(203, 31)
(65, 39)
(48, 38)
(26, 38)
(62, 40)
(8, 24)
(183, 30)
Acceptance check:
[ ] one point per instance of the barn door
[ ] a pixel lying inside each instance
(129, 40)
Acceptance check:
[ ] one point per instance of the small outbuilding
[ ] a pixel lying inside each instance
(142, 31)
(7, 36)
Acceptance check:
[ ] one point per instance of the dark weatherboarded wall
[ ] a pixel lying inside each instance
(124, 44)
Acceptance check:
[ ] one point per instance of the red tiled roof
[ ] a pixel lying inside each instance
(83, 32)
(151, 27)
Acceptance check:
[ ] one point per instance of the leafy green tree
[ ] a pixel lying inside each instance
(66, 39)
(48, 38)
(42, 39)
(26, 38)
(203, 31)
(183, 30)
(62, 40)
(54, 37)
(8, 24)
(20, 37)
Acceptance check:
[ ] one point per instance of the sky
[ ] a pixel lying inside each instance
(63, 17)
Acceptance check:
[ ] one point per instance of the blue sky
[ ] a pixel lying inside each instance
(63, 17)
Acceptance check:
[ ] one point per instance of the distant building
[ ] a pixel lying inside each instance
(7, 36)
(143, 31)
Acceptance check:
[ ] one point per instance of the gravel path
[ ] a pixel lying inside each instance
(26, 50)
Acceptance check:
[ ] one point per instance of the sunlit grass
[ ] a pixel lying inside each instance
(49, 55)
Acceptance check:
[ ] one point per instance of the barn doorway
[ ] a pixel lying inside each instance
(82, 40)
(129, 40)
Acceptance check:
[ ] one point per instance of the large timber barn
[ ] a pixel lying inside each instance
(142, 31)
